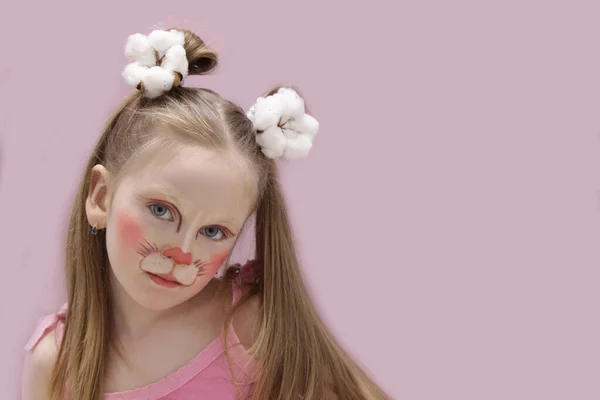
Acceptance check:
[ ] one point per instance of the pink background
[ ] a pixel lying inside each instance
(448, 217)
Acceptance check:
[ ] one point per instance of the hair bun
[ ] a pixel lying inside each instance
(200, 57)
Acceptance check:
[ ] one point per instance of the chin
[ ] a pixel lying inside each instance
(153, 297)
(157, 298)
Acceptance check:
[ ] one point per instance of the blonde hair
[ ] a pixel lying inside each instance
(296, 353)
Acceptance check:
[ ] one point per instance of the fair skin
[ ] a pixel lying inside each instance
(170, 225)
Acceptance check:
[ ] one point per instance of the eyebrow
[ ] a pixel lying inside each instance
(166, 190)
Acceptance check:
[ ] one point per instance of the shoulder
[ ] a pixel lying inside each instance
(41, 355)
(38, 366)
(53, 323)
(246, 318)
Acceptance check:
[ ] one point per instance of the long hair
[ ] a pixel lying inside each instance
(296, 353)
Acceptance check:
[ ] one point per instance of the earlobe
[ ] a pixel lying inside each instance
(97, 201)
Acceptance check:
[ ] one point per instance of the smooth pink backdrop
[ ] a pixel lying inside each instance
(448, 217)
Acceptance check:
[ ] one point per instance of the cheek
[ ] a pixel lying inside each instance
(129, 228)
(217, 260)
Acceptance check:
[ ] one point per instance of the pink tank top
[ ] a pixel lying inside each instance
(206, 376)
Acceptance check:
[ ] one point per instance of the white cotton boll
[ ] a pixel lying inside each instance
(162, 40)
(294, 104)
(272, 142)
(134, 73)
(136, 43)
(147, 59)
(176, 60)
(138, 49)
(306, 124)
(298, 145)
(252, 110)
(250, 113)
(267, 112)
(157, 81)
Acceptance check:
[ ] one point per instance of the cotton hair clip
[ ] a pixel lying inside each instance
(158, 61)
(284, 130)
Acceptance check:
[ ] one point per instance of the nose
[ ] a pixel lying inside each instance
(177, 255)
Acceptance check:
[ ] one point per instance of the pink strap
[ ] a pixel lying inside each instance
(45, 325)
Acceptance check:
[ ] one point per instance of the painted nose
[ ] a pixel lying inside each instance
(177, 255)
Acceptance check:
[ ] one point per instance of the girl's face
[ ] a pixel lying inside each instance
(173, 222)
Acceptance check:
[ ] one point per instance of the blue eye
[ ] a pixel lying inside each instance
(161, 211)
(214, 232)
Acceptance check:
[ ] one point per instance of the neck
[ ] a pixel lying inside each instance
(134, 321)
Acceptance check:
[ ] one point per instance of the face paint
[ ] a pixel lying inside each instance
(130, 228)
(185, 274)
(153, 261)
(174, 266)
(218, 259)
(183, 270)
(178, 256)
(173, 195)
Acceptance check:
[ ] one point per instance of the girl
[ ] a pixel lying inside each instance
(176, 176)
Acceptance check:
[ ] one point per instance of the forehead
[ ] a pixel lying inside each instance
(197, 177)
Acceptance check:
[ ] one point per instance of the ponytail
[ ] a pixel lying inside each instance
(297, 355)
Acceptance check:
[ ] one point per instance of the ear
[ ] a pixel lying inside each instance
(97, 202)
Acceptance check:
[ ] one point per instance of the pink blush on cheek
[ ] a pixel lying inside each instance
(217, 260)
(129, 228)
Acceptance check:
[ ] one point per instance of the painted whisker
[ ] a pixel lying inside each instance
(201, 265)
(142, 253)
(151, 246)
(201, 271)
(145, 249)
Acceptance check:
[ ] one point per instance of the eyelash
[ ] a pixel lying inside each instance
(151, 208)
(224, 231)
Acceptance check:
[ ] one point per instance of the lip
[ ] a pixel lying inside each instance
(164, 280)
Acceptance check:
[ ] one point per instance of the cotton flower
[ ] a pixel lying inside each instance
(267, 112)
(176, 60)
(298, 145)
(157, 81)
(284, 130)
(162, 40)
(134, 73)
(138, 49)
(293, 104)
(272, 142)
(144, 52)
(306, 124)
